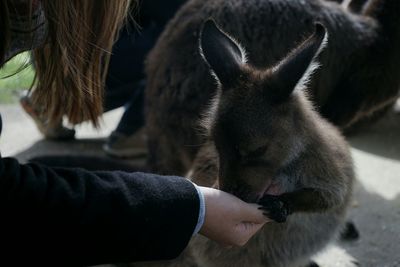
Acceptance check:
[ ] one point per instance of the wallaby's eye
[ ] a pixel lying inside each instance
(250, 154)
(257, 152)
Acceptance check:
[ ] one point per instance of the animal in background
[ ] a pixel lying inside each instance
(360, 74)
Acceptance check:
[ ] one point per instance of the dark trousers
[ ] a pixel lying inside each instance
(125, 81)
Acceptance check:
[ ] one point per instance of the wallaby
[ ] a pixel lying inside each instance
(360, 73)
(267, 144)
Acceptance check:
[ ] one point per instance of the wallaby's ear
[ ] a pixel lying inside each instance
(297, 65)
(221, 52)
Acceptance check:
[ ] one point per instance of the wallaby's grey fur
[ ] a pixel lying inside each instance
(267, 144)
(356, 6)
(360, 73)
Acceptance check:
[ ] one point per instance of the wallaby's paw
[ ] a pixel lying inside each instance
(274, 208)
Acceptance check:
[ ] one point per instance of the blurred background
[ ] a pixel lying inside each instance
(17, 75)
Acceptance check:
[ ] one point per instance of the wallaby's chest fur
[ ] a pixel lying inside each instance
(324, 163)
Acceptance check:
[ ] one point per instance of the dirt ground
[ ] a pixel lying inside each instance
(376, 205)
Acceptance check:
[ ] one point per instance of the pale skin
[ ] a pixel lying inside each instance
(229, 220)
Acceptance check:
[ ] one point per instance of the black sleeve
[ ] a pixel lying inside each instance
(74, 217)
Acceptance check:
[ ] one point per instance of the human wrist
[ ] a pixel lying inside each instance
(202, 210)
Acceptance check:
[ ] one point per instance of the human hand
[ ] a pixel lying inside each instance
(229, 220)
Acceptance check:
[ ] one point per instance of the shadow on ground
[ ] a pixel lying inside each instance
(377, 220)
(381, 138)
(84, 153)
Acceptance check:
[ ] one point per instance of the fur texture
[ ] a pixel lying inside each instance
(267, 144)
(359, 73)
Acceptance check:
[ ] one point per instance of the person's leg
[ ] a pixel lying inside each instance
(124, 74)
(126, 68)
(125, 87)
(127, 140)
(126, 64)
(125, 71)
(56, 131)
(133, 117)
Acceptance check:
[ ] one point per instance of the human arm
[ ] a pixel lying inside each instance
(86, 218)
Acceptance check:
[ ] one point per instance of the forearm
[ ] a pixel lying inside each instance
(107, 217)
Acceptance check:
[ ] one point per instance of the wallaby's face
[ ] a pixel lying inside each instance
(254, 125)
(253, 138)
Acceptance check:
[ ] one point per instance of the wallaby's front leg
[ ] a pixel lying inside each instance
(279, 207)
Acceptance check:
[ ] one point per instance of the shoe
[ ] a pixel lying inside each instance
(126, 146)
(55, 132)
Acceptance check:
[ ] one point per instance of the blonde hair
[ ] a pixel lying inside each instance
(71, 67)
